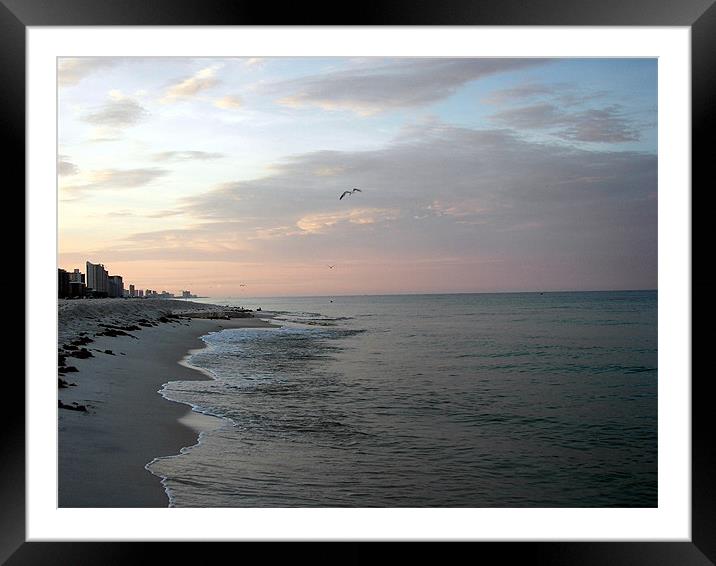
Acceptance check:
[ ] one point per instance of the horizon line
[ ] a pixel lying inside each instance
(428, 293)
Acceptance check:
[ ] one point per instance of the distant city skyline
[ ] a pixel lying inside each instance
(223, 175)
(96, 282)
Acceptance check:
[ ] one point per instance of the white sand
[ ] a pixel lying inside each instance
(102, 453)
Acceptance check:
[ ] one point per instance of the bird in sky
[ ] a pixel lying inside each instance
(331, 266)
(349, 193)
(242, 284)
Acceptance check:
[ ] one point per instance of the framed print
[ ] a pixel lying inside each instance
(421, 276)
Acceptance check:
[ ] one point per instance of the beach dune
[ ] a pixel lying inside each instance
(123, 422)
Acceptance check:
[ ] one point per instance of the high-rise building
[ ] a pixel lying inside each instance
(77, 276)
(77, 288)
(116, 286)
(140, 292)
(63, 284)
(97, 278)
(131, 291)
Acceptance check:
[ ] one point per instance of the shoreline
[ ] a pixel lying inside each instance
(103, 452)
(197, 421)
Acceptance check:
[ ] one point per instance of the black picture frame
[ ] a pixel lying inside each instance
(699, 15)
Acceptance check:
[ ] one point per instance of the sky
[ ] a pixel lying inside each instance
(223, 175)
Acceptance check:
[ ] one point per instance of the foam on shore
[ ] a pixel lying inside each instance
(103, 453)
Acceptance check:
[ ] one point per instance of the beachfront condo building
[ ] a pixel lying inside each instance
(116, 286)
(63, 284)
(77, 276)
(97, 278)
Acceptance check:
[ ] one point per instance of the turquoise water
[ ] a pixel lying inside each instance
(470, 400)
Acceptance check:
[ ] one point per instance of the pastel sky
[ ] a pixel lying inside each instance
(222, 176)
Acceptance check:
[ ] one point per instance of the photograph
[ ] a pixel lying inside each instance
(418, 274)
(385, 282)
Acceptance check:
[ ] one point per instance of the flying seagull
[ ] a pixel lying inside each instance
(331, 266)
(349, 193)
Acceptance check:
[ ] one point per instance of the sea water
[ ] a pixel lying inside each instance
(462, 400)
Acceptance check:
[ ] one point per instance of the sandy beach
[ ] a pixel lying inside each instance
(123, 422)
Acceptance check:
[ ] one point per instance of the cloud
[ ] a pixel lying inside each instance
(329, 171)
(188, 88)
(467, 208)
(564, 111)
(402, 83)
(433, 165)
(442, 190)
(531, 117)
(165, 213)
(114, 179)
(322, 222)
(201, 242)
(603, 125)
(117, 113)
(207, 204)
(228, 102)
(523, 91)
(186, 156)
(121, 214)
(562, 93)
(71, 70)
(65, 167)
(573, 217)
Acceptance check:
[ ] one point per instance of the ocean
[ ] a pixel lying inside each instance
(460, 400)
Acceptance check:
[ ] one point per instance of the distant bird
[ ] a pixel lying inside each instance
(331, 266)
(349, 193)
(242, 285)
